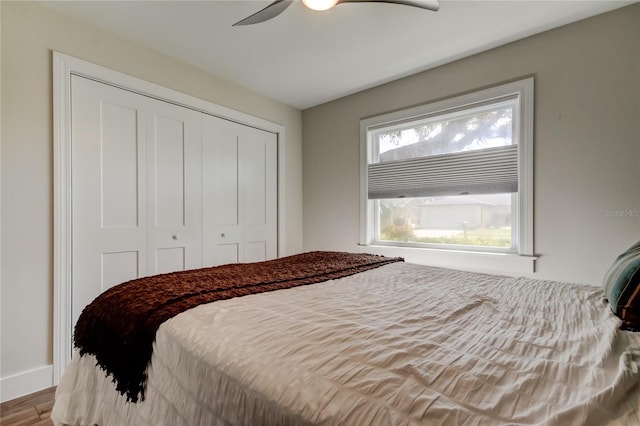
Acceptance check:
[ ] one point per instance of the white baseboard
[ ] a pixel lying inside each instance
(24, 383)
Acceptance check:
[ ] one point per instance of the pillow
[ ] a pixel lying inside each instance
(622, 287)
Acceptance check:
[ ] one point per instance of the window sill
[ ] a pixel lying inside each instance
(500, 263)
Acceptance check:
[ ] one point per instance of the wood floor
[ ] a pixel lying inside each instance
(33, 409)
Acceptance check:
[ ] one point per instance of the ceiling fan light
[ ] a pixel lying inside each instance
(320, 4)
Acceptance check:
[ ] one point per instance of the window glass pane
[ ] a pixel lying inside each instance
(476, 129)
(465, 220)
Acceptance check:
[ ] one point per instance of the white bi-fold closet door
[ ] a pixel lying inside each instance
(240, 197)
(158, 187)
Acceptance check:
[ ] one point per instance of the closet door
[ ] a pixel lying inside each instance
(239, 193)
(258, 194)
(109, 171)
(136, 193)
(175, 183)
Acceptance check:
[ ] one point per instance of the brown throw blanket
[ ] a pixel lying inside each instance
(120, 325)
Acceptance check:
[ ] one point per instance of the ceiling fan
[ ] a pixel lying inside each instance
(278, 6)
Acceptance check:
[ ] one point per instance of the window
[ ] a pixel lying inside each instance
(455, 175)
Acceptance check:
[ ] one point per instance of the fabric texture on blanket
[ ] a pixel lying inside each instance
(399, 345)
(120, 325)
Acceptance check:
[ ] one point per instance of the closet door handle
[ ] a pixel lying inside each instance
(175, 236)
(222, 235)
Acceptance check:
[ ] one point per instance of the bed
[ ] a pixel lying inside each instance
(396, 344)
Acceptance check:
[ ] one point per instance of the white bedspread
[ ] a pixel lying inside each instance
(398, 345)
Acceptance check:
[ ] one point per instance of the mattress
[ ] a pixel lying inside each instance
(398, 345)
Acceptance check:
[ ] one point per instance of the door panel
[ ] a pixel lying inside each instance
(170, 259)
(169, 168)
(108, 209)
(174, 179)
(228, 253)
(259, 200)
(119, 267)
(221, 230)
(255, 251)
(254, 181)
(119, 166)
(226, 176)
(239, 192)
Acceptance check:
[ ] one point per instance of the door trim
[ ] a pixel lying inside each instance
(64, 66)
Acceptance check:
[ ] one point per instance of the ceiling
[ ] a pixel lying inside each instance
(304, 58)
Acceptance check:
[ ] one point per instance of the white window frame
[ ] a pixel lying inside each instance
(483, 260)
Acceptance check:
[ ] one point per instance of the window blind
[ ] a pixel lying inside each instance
(486, 171)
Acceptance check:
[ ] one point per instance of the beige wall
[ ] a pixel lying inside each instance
(30, 32)
(587, 141)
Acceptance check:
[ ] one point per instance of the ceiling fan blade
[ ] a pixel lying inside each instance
(422, 4)
(269, 12)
